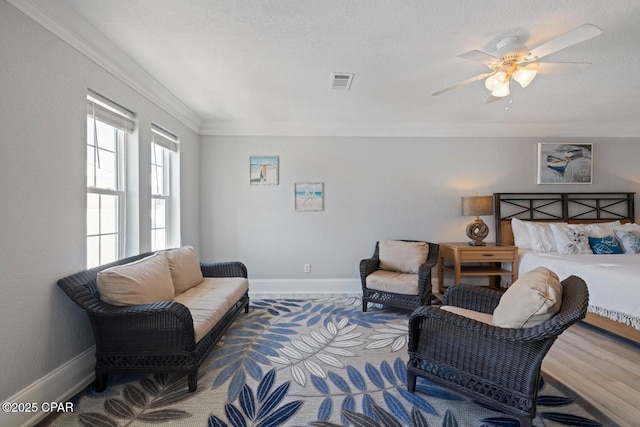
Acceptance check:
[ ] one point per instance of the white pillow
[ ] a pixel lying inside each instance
(630, 226)
(520, 234)
(541, 237)
(571, 239)
(601, 229)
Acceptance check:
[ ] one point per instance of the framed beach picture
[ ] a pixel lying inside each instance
(309, 196)
(563, 163)
(263, 170)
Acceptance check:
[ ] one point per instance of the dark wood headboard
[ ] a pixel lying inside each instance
(560, 207)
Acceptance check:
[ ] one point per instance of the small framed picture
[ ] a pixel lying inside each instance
(565, 163)
(309, 196)
(264, 170)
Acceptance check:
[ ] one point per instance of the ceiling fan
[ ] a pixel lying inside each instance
(515, 61)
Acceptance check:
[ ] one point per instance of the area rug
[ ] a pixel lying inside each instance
(320, 362)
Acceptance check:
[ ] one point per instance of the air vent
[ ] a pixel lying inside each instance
(341, 81)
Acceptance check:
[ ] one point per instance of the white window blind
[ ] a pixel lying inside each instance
(164, 138)
(109, 112)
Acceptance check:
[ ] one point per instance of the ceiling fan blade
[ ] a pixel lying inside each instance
(570, 38)
(479, 56)
(559, 67)
(462, 83)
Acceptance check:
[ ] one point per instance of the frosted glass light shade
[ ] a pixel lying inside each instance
(502, 91)
(496, 81)
(524, 76)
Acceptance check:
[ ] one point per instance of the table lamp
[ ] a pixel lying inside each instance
(477, 230)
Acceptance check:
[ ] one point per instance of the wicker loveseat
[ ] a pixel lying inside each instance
(161, 336)
(400, 276)
(498, 366)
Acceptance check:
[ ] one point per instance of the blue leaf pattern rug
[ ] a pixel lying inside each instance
(320, 362)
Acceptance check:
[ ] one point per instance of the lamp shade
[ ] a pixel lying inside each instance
(477, 206)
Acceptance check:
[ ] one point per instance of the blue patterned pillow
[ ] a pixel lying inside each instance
(604, 245)
(630, 241)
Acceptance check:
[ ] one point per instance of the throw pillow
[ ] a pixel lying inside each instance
(520, 234)
(571, 239)
(604, 245)
(532, 299)
(140, 282)
(185, 268)
(630, 241)
(541, 237)
(405, 257)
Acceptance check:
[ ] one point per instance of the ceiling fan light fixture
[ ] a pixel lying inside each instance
(496, 81)
(502, 91)
(524, 76)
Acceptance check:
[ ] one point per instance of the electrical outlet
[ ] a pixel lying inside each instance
(307, 268)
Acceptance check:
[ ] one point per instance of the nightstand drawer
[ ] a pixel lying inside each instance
(486, 256)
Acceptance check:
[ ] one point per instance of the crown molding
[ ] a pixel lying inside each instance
(421, 129)
(71, 28)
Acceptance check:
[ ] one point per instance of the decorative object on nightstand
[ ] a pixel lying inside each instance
(477, 230)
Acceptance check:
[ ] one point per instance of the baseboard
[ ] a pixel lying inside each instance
(53, 389)
(303, 288)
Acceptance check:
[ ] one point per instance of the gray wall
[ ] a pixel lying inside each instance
(43, 88)
(376, 188)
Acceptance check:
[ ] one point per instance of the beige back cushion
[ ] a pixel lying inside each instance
(532, 299)
(405, 257)
(185, 268)
(139, 282)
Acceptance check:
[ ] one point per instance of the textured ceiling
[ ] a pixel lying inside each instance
(263, 67)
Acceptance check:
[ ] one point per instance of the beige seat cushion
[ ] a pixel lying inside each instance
(391, 281)
(405, 257)
(206, 309)
(210, 300)
(475, 315)
(185, 268)
(532, 299)
(139, 282)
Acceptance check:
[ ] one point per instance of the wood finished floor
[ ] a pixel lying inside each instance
(604, 370)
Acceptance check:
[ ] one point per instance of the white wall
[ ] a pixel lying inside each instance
(376, 188)
(43, 88)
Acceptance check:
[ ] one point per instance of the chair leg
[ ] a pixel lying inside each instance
(411, 381)
(192, 378)
(364, 305)
(526, 422)
(101, 382)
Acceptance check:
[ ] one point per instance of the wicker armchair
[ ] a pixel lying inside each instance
(497, 366)
(156, 337)
(393, 299)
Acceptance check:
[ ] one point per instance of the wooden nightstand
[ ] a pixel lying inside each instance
(482, 260)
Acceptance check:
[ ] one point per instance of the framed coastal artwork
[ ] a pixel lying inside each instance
(565, 163)
(264, 170)
(309, 196)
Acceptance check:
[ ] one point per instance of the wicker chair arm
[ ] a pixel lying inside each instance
(474, 298)
(368, 266)
(223, 269)
(429, 321)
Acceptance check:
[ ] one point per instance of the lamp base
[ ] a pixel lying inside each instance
(477, 231)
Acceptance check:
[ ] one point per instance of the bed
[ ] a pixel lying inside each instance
(613, 280)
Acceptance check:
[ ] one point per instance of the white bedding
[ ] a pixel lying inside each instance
(613, 280)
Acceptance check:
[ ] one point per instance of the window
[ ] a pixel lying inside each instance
(107, 128)
(164, 145)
